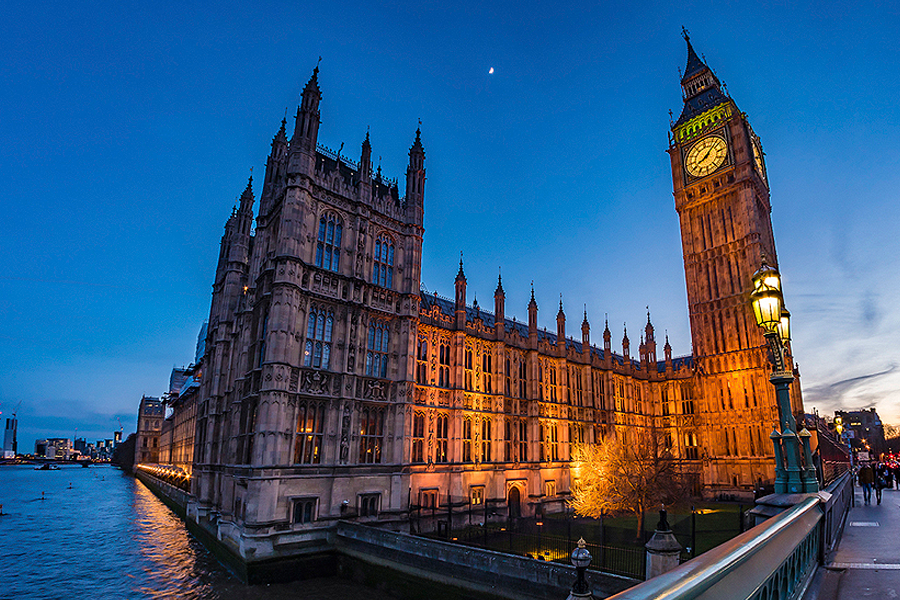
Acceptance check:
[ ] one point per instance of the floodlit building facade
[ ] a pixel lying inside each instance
(335, 387)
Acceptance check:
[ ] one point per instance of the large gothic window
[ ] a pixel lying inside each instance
(418, 438)
(444, 368)
(383, 269)
(442, 434)
(328, 248)
(377, 356)
(317, 353)
(371, 435)
(422, 362)
(310, 431)
(486, 455)
(467, 440)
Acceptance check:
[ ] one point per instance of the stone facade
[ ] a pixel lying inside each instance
(151, 414)
(335, 388)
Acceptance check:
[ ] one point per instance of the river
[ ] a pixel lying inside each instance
(98, 533)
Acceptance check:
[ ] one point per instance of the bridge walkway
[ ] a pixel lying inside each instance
(866, 563)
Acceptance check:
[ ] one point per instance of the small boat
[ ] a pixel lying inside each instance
(47, 467)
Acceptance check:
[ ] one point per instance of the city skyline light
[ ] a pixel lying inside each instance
(132, 130)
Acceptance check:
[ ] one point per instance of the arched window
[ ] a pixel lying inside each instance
(371, 435)
(467, 440)
(377, 357)
(486, 455)
(317, 353)
(422, 362)
(441, 436)
(444, 368)
(328, 248)
(310, 431)
(418, 438)
(383, 268)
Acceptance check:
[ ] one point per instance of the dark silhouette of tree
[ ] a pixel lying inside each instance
(123, 455)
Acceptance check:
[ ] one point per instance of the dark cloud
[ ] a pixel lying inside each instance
(832, 396)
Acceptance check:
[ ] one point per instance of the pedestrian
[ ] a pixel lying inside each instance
(896, 470)
(866, 478)
(882, 480)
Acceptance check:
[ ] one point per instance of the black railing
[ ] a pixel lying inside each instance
(616, 544)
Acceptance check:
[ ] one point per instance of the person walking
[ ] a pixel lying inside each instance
(882, 479)
(866, 478)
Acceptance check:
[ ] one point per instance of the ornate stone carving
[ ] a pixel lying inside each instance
(374, 389)
(315, 382)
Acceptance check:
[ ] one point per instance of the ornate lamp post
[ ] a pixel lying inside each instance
(791, 475)
(581, 559)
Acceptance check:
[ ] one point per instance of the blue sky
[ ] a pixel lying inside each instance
(129, 131)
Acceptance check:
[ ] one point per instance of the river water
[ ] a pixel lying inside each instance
(97, 533)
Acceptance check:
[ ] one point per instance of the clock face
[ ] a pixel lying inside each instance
(706, 156)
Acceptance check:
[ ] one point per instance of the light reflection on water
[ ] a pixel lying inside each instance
(101, 534)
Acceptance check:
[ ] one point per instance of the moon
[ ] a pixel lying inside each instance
(491, 71)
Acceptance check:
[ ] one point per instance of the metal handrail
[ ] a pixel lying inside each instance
(696, 576)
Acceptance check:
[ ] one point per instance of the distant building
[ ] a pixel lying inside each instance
(151, 413)
(59, 448)
(10, 445)
(177, 435)
(865, 430)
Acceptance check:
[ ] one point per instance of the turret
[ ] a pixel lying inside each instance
(499, 317)
(607, 340)
(415, 178)
(532, 318)
(275, 169)
(234, 254)
(626, 346)
(460, 297)
(650, 341)
(365, 161)
(586, 335)
(306, 128)
(667, 350)
(561, 329)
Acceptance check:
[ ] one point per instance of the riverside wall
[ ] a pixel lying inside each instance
(403, 565)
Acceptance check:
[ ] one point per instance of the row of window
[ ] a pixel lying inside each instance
(550, 388)
(328, 251)
(514, 445)
(305, 510)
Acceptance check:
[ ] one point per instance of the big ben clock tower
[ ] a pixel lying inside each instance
(722, 198)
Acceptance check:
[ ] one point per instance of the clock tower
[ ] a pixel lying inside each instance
(722, 199)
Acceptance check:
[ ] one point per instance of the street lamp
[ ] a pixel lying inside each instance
(774, 319)
(581, 559)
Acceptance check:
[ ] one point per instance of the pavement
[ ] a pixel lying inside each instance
(866, 562)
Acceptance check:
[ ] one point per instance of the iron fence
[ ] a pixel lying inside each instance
(616, 544)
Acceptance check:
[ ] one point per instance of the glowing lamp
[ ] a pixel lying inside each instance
(784, 325)
(766, 298)
(839, 425)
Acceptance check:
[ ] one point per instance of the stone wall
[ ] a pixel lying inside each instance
(400, 562)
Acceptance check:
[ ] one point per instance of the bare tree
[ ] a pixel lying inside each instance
(629, 476)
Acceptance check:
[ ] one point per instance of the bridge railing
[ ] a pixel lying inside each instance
(772, 561)
(767, 562)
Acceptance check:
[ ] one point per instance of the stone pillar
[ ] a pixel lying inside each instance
(663, 549)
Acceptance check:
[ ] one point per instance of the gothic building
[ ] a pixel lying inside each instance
(334, 387)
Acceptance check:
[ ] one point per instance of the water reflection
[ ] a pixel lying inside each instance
(100, 534)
